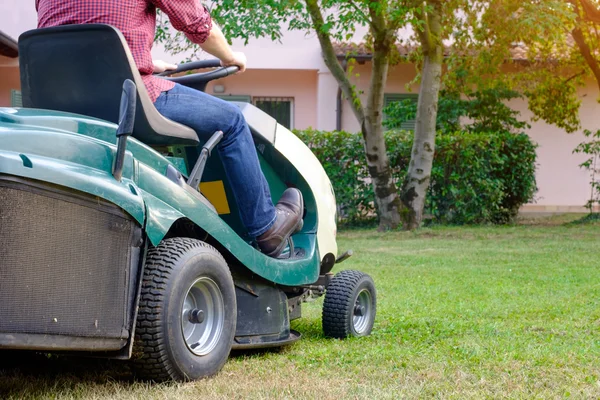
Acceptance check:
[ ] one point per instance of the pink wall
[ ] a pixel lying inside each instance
(560, 180)
(301, 85)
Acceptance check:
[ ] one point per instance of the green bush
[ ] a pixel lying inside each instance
(476, 177)
(592, 165)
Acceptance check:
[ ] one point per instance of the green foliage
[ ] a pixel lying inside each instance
(592, 165)
(477, 177)
(246, 19)
(342, 156)
(528, 48)
(486, 111)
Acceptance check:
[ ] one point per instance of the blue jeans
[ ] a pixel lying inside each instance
(206, 115)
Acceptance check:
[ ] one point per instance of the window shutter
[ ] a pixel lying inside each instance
(393, 97)
(15, 98)
(280, 108)
(236, 97)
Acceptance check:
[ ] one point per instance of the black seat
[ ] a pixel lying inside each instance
(81, 69)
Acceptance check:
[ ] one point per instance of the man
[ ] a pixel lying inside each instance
(136, 19)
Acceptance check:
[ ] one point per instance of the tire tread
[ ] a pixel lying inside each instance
(339, 303)
(152, 361)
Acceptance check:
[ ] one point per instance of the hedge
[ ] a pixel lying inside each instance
(476, 177)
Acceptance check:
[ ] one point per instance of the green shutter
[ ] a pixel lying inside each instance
(278, 108)
(15, 98)
(235, 97)
(393, 97)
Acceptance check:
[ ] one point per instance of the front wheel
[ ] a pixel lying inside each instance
(187, 314)
(350, 305)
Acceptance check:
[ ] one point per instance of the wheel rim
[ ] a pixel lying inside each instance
(363, 310)
(202, 316)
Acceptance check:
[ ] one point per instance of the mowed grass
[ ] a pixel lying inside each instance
(487, 312)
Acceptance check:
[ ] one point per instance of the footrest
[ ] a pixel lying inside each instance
(264, 342)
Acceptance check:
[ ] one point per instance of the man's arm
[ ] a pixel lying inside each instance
(193, 19)
(217, 45)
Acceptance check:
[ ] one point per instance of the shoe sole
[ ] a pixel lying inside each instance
(277, 252)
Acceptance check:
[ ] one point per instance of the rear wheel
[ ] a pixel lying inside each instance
(350, 305)
(187, 314)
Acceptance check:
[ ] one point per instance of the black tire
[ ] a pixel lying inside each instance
(341, 318)
(160, 349)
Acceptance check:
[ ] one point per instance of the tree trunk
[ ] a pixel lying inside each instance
(386, 194)
(415, 186)
(370, 119)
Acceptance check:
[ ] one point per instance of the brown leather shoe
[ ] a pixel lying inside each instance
(289, 212)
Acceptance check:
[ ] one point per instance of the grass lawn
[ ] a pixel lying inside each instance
(483, 312)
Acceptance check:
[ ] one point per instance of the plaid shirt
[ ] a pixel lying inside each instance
(136, 19)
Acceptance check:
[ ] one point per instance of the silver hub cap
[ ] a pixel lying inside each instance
(362, 312)
(202, 316)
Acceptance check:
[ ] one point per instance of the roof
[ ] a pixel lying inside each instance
(8, 46)
(361, 51)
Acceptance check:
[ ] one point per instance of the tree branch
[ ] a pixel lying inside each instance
(587, 53)
(575, 76)
(361, 12)
(591, 11)
(579, 38)
(379, 23)
(383, 40)
(332, 62)
(423, 32)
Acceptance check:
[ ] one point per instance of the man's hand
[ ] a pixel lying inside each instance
(160, 66)
(238, 59)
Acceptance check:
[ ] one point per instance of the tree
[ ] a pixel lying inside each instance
(429, 31)
(544, 49)
(337, 20)
(585, 34)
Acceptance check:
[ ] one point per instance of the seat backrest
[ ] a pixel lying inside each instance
(81, 69)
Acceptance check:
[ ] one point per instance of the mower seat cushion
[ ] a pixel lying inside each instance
(81, 69)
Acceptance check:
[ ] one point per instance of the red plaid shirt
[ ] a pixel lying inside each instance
(136, 19)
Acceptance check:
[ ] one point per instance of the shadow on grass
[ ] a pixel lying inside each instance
(25, 375)
(589, 219)
(34, 375)
(38, 364)
(309, 329)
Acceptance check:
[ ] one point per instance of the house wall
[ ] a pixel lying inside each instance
(563, 186)
(300, 85)
(9, 80)
(17, 16)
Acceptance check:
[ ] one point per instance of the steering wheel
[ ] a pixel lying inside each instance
(199, 80)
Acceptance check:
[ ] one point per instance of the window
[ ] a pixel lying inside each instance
(15, 98)
(393, 97)
(280, 108)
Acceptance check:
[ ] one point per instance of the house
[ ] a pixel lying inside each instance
(9, 70)
(290, 81)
